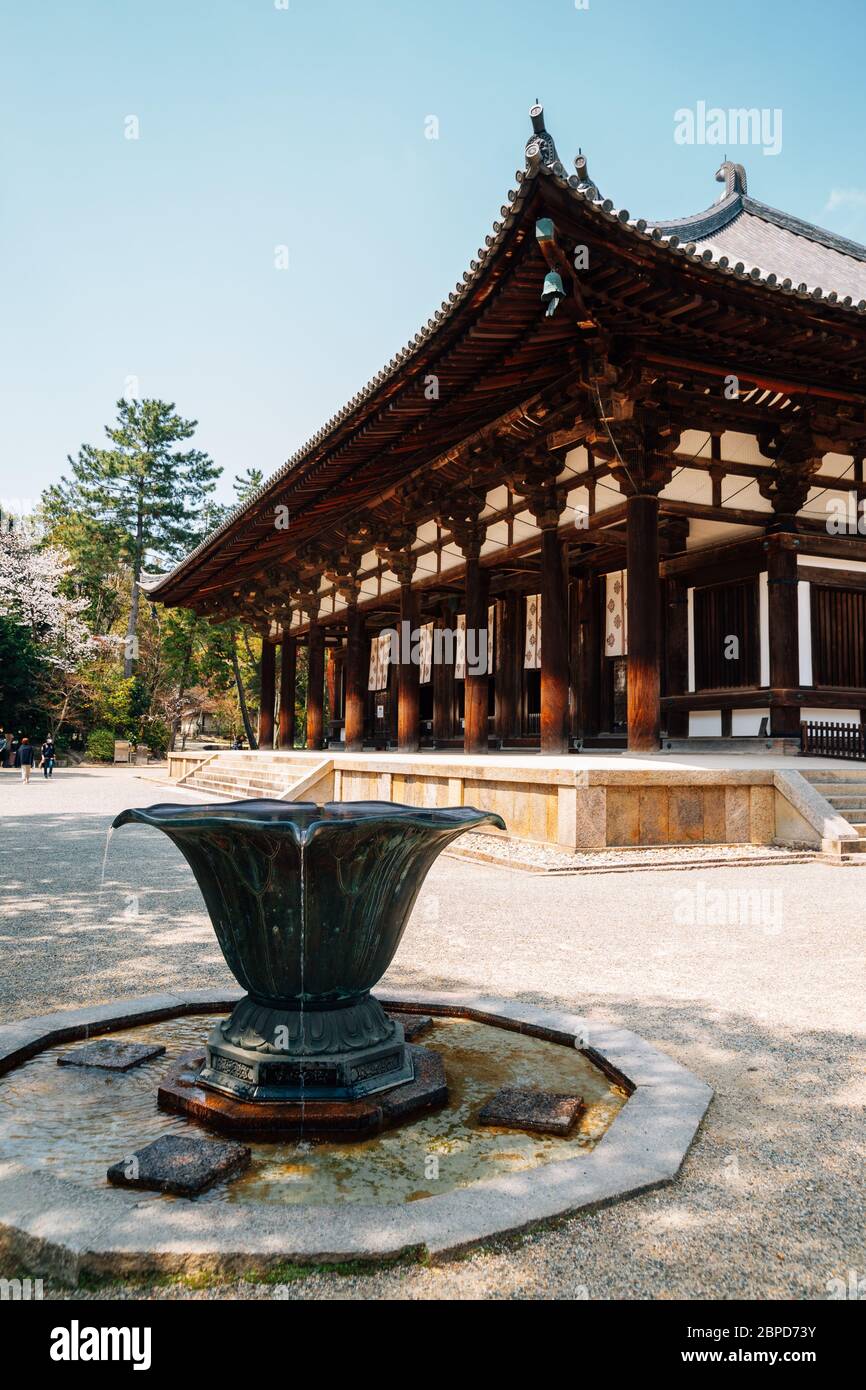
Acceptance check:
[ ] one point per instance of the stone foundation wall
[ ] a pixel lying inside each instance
(560, 803)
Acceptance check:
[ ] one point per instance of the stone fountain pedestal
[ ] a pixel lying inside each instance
(345, 1052)
(184, 1090)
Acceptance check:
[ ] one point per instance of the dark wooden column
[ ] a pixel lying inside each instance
(554, 645)
(331, 677)
(355, 680)
(268, 673)
(396, 551)
(644, 688)
(409, 691)
(288, 674)
(589, 648)
(783, 623)
(316, 686)
(677, 656)
(475, 730)
(507, 714)
(443, 686)
(797, 455)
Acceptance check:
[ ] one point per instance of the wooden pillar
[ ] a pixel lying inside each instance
(409, 692)
(268, 674)
(507, 720)
(475, 733)
(783, 625)
(677, 653)
(554, 645)
(443, 687)
(316, 686)
(589, 645)
(331, 685)
(355, 681)
(644, 721)
(288, 674)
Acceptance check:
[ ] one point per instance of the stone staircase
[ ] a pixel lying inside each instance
(846, 793)
(277, 776)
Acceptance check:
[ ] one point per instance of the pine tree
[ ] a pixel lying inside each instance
(142, 491)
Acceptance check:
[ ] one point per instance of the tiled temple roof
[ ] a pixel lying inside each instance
(737, 238)
(755, 234)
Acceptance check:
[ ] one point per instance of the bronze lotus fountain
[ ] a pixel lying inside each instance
(309, 904)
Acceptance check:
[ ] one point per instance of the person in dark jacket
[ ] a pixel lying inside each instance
(4, 748)
(48, 756)
(25, 759)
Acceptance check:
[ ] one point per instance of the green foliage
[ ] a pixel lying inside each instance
(100, 745)
(156, 736)
(142, 493)
(112, 699)
(245, 484)
(20, 668)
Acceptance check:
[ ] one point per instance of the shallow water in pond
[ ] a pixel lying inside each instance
(76, 1121)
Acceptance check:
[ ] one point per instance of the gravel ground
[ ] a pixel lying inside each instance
(522, 854)
(752, 976)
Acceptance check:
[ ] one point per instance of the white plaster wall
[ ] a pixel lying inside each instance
(738, 491)
(705, 723)
(496, 500)
(839, 465)
(524, 527)
(838, 716)
(764, 627)
(691, 485)
(746, 723)
(826, 562)
(496, 538)
(691, 622)
(703, 532)
(607, 494)
(804, 630)
(696, 443)
(741, 448)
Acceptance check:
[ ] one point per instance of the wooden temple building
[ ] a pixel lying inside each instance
(628, 453)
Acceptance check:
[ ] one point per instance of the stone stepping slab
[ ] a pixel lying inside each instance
(544, 1112)
(181, 1165)
(111, 1056)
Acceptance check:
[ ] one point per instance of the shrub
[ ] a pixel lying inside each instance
(156, 736)
(100, 745)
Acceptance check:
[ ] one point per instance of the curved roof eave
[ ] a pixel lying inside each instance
(589, 196)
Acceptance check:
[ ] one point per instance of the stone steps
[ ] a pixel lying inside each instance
(256, 776)
(846, 793)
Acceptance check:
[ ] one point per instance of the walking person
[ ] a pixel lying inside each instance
(4, 748)
(25, 759)
(48, 755)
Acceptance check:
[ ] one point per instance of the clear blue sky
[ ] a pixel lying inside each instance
(305, 127)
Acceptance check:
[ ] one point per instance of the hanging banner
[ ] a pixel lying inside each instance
(491, 645)
(532, 648)
(380, 650)
(616, 614)
(426, 653)
(460, 649)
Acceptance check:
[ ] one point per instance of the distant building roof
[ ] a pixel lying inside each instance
(756, 234)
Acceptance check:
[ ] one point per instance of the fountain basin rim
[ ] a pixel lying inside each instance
(57, 1228)
(299, 818)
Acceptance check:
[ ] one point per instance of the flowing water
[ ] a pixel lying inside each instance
(108, 836)
(75, 1122)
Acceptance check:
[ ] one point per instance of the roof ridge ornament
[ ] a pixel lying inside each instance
(540, 144)
(733, 176)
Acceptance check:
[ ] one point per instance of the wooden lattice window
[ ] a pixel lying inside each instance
(726, 636)
(838, 636)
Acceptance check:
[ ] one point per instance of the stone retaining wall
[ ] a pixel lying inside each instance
(559, 803)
